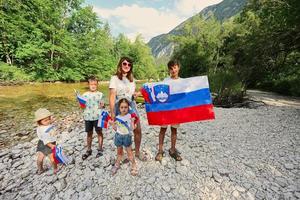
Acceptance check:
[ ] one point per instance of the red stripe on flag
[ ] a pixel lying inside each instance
(190, 114)
(82, 105)
(145, 95)
(54, 155)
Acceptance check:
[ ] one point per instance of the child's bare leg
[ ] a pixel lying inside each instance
(39, 161)
(89, 140)
(53, 163)
(100, 139)
(132, 160)
(119, 156)
(162, 134)
(173, 153)
(173, 139)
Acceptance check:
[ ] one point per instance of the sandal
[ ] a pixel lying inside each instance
(99, 153)
(134, 171)
(114, 169)
(159, 156)
(87, 154)
(175, 155)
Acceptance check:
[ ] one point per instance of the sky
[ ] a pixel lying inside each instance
(147, 17)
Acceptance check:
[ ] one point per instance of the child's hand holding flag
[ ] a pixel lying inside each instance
(81, 99)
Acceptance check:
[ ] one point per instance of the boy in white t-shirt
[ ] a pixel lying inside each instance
(94, 104)
(47, 140)
(174, 68)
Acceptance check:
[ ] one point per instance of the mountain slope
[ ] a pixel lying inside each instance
(161, 46)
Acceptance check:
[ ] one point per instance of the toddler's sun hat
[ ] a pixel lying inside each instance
(41, 113)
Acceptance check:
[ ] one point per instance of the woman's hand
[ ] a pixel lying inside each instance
(133, 124)
(113, 124)
(113, 116)
(136, 94)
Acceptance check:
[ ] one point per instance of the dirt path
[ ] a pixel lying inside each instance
(274, 99)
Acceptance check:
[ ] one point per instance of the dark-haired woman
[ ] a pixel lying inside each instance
(122, 85)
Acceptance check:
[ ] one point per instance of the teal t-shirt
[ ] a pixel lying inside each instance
(92, 110)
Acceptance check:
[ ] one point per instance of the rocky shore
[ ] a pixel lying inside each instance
(243, 154)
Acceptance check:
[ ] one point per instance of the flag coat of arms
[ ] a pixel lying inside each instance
(178, 101)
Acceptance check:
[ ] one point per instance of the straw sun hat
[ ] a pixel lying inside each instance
(41, 113)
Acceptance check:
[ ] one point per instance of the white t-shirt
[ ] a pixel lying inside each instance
(124, 88)
(124, 124)
(46, 133)
(92, 109)
(170, 79)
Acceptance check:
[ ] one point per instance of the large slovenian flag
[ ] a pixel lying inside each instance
(103, 119)
(178, 101)
(81, 99)
(59, 156)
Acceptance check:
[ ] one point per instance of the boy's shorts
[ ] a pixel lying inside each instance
(173, 126)
(90, 125)
(44, 148)
(123, 140)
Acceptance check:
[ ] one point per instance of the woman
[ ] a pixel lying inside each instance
(122, 85)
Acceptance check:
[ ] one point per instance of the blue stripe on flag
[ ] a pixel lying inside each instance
(81, 100)
(102, 122)
(182, 100)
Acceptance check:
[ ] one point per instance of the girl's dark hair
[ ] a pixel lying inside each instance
(119, 69)
(124, 100)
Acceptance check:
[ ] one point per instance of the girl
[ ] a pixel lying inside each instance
(124, 125)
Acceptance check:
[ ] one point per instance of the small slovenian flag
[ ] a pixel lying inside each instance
(103, 119)
(81, 99)
(59, 156)
(178, 101)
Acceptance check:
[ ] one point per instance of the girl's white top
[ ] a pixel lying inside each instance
(124, 129)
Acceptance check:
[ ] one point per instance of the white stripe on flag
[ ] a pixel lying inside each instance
(185, 85)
